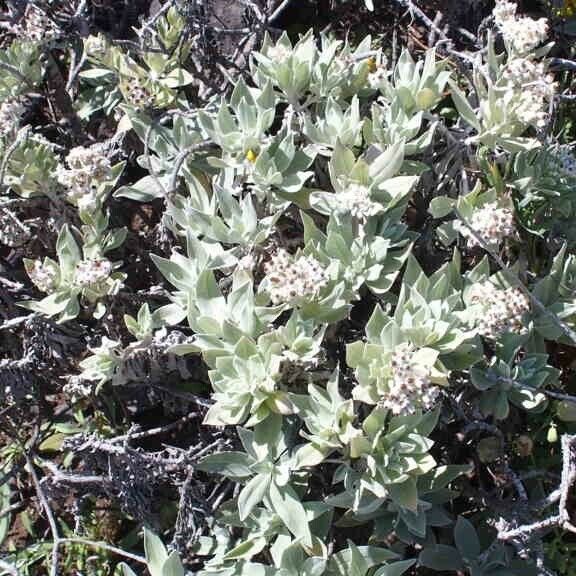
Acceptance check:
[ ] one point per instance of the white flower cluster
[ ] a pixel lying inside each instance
(12, 231)
(87, 169)
(504, 12)
(521, 71)
(44, 277)
(520, 33)
(491, 222)
(531, 90)
(10, 112)
(530, 110)
(357, 202)
(136, 95)
(502, 310)
(92, 272)
(35, 26)
(534, 89)
(291, 279)
(410, 388)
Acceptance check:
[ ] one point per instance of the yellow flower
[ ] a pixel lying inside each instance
(372, 66)
(251, 156)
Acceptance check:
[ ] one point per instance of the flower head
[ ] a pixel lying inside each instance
(137, 95)
(92, 272)
(293, 279)
(522, 35)
(43, 275)
(87, 169)
(520, 71)
(502, 310)
(531, 110)
(532, 88)
(503, 12)
(525, 34)
(356, 201)
(491, 222)
(410, 388)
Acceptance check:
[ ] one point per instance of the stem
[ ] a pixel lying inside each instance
(49, 515)
(104, 546)
(278, 11)
(179, 162)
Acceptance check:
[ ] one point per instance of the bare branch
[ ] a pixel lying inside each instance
(278, 11)
(525, 532)
(156, 431)
(48, 511)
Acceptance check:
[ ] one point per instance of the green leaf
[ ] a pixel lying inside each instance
(177, 77)
(340, 562)
(170, 314)
(441, 558)
(463, 107)
(209, 299)
(358, 565)
(441, 206)
(428, 422)
(466, 539)
(342, 161)
(5, 495)
(67, 249)
(405, 494)
(97, 73)
(173, 566)
(440, 477)
(145, 190)
(480, 379)
(126, 570)
(307, 456)
(287, 505)
(231, 464)
(446, 233)
(156, 553)
(314, 567)
(268, 435)
(252, 494)
(246, 549)
(291, 556)
(566, 411)
(387, 164)
(397, 187)
(52, 443)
